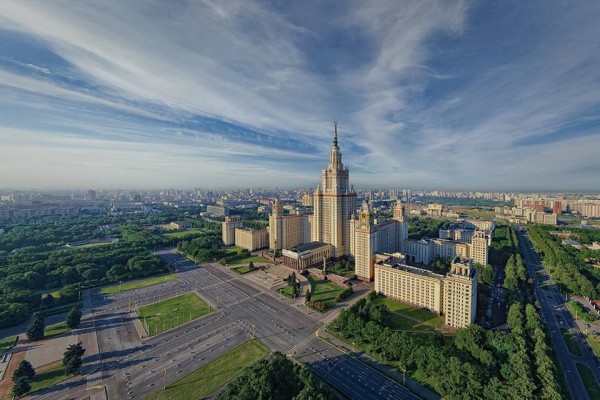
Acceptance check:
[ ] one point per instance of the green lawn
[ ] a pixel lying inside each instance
(208, 378)
(399, 322)
(254, 259)
(591, 386)
(286, 291)
(84, 246)
(243, 270)
(594, 342)
(182, 234)
(55, 330)
(172, 312)
(324, 291)
(570, 341)
(49, 378)
(7, 343)
(577, 309)
(138, 284)
(413, 312)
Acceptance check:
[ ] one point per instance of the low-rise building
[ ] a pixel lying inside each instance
(181, 225)
(307, 255)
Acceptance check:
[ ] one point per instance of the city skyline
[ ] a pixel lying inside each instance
(485, 97)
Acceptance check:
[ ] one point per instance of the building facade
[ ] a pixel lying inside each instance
(228, 229)
(369, 235)
(334, 203)
(251, 239)
(307, 255)
(460, 294)
(416, 286)
(454, 295)
(289, 230)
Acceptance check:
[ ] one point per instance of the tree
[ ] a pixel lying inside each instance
(251, 265)
(20, 387)
(307, 295)
(72, 358)
(25, 369)
(35, 330)
(74, 318)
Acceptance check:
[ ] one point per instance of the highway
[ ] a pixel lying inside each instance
(556, 316)
(132, 368)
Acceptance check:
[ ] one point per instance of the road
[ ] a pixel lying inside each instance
(133, 368)
(553, 311)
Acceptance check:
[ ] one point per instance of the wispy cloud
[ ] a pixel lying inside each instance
(429, 93)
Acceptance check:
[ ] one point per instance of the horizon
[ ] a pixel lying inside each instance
(434, 96)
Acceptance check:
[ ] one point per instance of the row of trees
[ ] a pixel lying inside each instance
(568, 271)
(504, 244)
(37, 325)
(292, 282)
(516, 275)
(477, 364)
(276, 378)
(24, 373)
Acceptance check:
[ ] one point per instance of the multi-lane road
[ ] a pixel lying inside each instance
(556, 316)
(128, 367)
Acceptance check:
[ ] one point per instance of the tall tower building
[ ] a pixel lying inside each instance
(228, 229)
(287, 231)
(334, 203)
(369, 235)
(276, 226)
(363, 242)
(460, 293)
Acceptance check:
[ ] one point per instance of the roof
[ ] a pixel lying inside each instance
(308, 246)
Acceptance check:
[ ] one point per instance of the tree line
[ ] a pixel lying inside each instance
(276, 378)
(474, 364)
(568, 271)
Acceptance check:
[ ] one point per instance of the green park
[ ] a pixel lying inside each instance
(138, 284)
(210, 377)
(170, 313)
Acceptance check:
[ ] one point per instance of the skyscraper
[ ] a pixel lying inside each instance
(334, 203)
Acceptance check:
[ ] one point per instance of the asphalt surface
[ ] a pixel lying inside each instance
(127, 367)
(556, 316)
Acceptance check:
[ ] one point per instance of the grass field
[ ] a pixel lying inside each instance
(591, 386)
(323, 291)
(579, 311)
(243, 270)
(83, 246)
(138, 284)
(172, 312)
(7, 343)
(49, 378)
(182, 234)
(570, 341)
(215, 374)
(400, 322)
(286, 291)
(55, 330)
(414, 312)
(254, 259)
(594, 342)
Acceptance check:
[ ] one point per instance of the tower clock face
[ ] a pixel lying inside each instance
(363, 215)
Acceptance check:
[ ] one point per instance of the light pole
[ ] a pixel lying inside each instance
(165, 380)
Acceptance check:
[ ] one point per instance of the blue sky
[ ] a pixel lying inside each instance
(429, 94)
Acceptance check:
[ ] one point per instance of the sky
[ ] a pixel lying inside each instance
(452, 95)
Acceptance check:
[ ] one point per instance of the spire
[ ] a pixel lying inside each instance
(335, 141)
